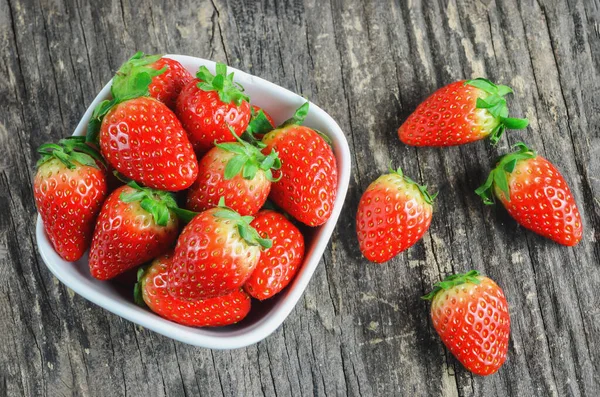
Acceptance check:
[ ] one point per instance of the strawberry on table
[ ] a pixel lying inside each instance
(279, 264)
(135, 225)
(209, 105)
(168, 76)
(215, 254)
(69, 188)
(393, 214)
(535, 194)
(308, 184)
(237, 171)
(461, 112)
(470, 314)
(140, 137)
(151, 289)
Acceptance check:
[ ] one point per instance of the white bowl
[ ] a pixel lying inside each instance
(265, 317)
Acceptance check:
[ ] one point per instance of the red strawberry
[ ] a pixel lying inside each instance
(168, 76)
(208, 105)
(212, 312)
(69, 189)
(535, 194)
(215, 254)
(308, 184)
(461, 112)
(393, 214)
(237, 171)
(470, 313)
(278, 264)
(135, 225)
(167, 86)
(139, 136)
(143, 140)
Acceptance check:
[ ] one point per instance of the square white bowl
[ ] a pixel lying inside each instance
(265, 317)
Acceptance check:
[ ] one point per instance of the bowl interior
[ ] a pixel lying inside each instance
(265, 316)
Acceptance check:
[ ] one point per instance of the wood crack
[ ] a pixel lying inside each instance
(220, 31)
(314, 375)
(266, 348)
(54, 79)
(357, 171)
(212, 354)
(179, 369)
(287, 353)
(162, 376)
(22, 372)
(344, 367)
(85, 44)
(537, 300)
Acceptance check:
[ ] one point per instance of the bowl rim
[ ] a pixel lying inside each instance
(262, 328)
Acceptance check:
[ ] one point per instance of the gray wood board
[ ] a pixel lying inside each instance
(360, 328)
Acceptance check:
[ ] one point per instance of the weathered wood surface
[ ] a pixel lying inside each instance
(360, 329)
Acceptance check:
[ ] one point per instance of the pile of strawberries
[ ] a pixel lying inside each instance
(175, 171)
(469, 311)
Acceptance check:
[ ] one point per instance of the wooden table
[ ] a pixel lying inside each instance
(360, 328)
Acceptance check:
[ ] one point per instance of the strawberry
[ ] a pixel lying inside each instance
(140, 137)
(135, 225)
(308, 173)
(470, 314)
(151, 289)
(278, 264)
(69, 188)
(535, 194)
(208, 105)
(168, 76)
(461, 112)
(143, 140)
(393, 214)
(237, 171)
(215, 254)
(167, 86)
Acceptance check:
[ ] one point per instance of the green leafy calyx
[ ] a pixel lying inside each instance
(298, 117)
(452, 281)
(228, 90)
(495, 104)
(158, 203)
(131, 81)
(248, 160)
(69, 151)
(138, 296)
(134, 77)
(247, 232)
(429, 198)
(498, 176)
(259, 123)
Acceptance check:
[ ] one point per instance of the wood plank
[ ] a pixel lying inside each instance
(360, 329)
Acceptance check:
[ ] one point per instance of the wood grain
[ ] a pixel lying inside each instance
(360, 329)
